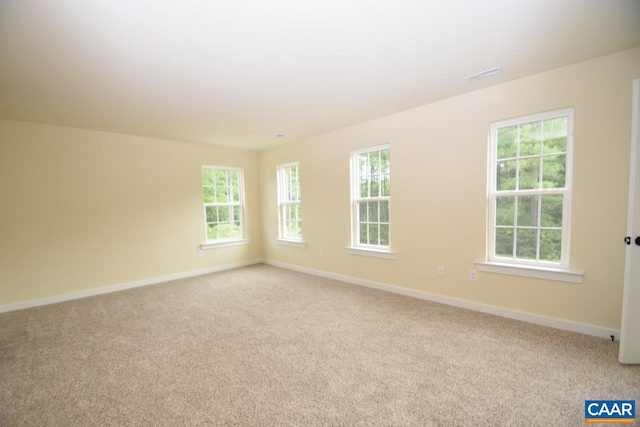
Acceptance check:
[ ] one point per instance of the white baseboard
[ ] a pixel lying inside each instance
(122, 286)
(484, 308)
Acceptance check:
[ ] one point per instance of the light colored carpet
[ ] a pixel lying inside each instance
(266, 346)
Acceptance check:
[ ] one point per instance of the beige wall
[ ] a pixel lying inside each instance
(439, 175)
(84, 209)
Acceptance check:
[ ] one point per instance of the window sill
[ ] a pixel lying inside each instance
(295, 243)
(547, 273)
(372, 253)
(225, 243)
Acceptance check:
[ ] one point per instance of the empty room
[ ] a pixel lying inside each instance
(256, 213)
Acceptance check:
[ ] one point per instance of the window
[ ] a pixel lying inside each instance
(223, 203)
(290, 209)
(371, 190)
(530, 190)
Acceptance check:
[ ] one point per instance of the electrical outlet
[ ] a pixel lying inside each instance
(200, 252)
(441, 270)
(321, 253)
(473, 275)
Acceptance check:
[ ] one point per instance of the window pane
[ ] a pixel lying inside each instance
(374, 159)
(224, 230)
(555, 135)
(375, 186)
(209, 194)
(364, 188)
(529, 174)
(211, 213)
(526, 243)
(236, 194)
(527, 211)
(553, 171)
(530, 139)
(507, 142)
(505, 210)
(291, 191)
(384, 211)
(551, 211)
(291, 229)
(373, 211)
(295, 192)
(283, 223)
(506, 175)
(384, 161)
(288, 232)
(504, 242)
(223, 213)
(362, 208)
(222, 194)
(221, 177)
(373, 234)
(363, 234)
(212, 231)
(207, 176)
(234, 178)
(386, 186)
(550, 245)
(236, 213)
(384, 234)
(236, 229)
(299, 233)
(363, 165)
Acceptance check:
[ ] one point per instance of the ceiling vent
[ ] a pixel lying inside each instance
(483, 74)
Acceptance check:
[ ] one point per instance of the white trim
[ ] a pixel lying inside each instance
(537, 319)
(546, 115)
(224, 244)
(372, 253)
(629, 350)
(296, 243)
(370, 149)
(287, 165)
(547, 273)
(122, 286)
(226, 168)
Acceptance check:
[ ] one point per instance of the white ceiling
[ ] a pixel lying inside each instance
(236, 73)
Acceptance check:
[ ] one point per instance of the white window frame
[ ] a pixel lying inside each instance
(532, 268)
(284, 201)
(357, 248)
(231, 241)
